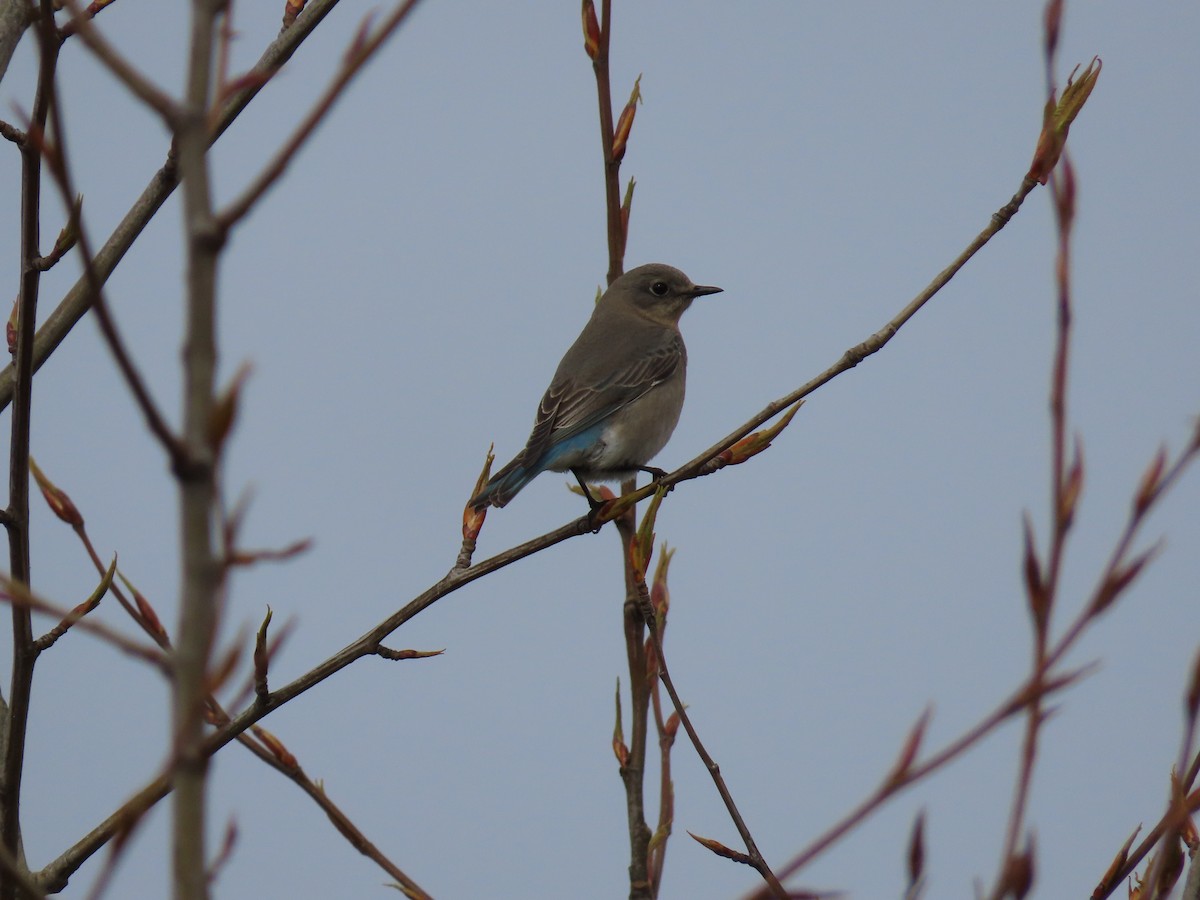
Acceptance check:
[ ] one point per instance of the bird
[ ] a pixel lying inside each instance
(617, 393)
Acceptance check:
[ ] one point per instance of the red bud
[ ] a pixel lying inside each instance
(591, 30)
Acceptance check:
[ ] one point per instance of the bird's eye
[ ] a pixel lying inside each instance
(659, 289)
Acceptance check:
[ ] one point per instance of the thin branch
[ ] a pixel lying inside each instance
(612, 167)
(354, 59)
(351, 832)
(93, 10)
(78, 300)
(11, 132)
(155, 421)
(55, 875)
(21, 597)
(1168, 824)
(1040, 684)
(138, 84)
(755, 857)
(25, 651)
(870, 346)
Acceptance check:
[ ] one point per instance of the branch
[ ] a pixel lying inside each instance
(138, 84)
(753, 856)
(202, 575)
(25, 651)
(55, 875)
(355, 58)
(15, 17)
(78, 300)
(340, 820)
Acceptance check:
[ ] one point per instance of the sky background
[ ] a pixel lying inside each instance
(404, 296)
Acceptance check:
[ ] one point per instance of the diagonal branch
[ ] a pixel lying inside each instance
(138, 84)
(356, 57)
(78, 300)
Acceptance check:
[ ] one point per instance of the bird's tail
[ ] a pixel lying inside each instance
(504, 485)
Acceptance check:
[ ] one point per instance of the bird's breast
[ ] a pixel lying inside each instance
(639, 430)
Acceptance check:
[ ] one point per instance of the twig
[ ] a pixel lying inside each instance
(355, 57)
(78, 300)
(73, 617)
(612, 166)
(1040, 684)
(55, 875)
(1166, 825)
(1042, 580)
(93, 9)
(755, 857)
(12, 133)
(351, 832)
(155, 421)
(21, 597)
(25, 652)
(124, 71)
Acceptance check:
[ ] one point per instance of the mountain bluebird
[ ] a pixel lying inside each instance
(617, 394)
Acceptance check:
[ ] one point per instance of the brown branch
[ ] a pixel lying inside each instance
(1170, 821)
(1043, 580)
(56, 874)
(345, 827)
(754, 857)
(138, 84)
(25, 651)
(1040, 684)
(12, 133)
(50, 638)
(612, 166)
(202, 574)
(93, 9)
(364, 47)
(666, 729)
(78, 300)
(155, 421)
(870, 346)
(21, 597)
(902, 777)
(633, 770)
(642, 882)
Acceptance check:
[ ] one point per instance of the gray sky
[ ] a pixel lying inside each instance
(404, 297)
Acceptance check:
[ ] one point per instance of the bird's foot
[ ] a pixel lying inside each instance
(656, 475)
(594, 505)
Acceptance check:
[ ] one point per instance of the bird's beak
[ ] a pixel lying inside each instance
(699, 290)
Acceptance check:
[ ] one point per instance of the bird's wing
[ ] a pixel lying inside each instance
(569, 407)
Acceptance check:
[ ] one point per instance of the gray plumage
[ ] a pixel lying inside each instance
(618, 392)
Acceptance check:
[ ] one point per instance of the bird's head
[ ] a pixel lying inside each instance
(657, 292)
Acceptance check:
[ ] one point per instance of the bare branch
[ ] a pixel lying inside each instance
(25, 651)
(125, 71)
(78, 300)
(352, 62)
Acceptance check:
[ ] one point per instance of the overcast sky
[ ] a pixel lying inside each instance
(404, 296)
